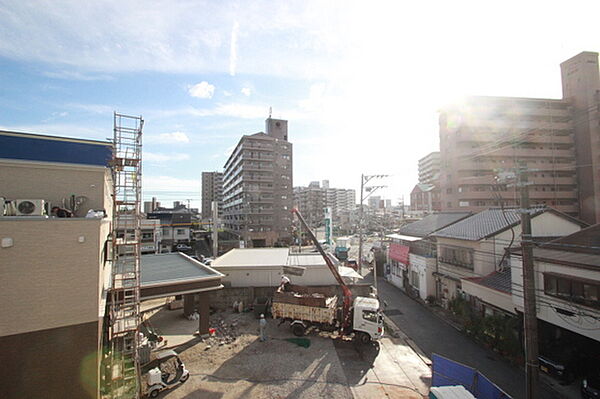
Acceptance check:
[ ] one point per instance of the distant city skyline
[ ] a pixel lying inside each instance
(360, 84)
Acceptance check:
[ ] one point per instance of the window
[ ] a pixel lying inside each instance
(370, 315)
(180, 232)
(448, 191)
(461, 257)
(572, 290)
(415, 279)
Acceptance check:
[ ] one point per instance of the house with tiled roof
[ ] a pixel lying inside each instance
(412, 253)
(470, 251)
(567, 280)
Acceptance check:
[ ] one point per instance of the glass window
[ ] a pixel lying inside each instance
(369, 315)
(590, 292)
(550, 285)
(564, 287)
(577, 291)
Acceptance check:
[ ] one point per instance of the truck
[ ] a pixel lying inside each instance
(304, 307)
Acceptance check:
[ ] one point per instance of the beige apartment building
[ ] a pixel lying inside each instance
(257, 187)
(212, 190)
(484, 139)
(54, 275)
(581, 87)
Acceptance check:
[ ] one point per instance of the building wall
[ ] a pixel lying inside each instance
(52, 363)
(212, 190)
(496, 298)
(429, 168)
(547, 305)
(48, 276)
(425, 267)
(55, 182)
(581, 85)
(270, 276)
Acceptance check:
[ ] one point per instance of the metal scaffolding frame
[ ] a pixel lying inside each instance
(124, 306)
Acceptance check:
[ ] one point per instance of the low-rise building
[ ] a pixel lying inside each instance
(567, 280)
(412, 253)
(263, 267)
(475, 246)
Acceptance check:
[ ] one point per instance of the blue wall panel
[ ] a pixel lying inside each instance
(54, 150)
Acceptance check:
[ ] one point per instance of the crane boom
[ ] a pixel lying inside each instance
(346, 291)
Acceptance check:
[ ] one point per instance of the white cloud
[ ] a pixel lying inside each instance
(76, 75)
(233, 48)
(169, 138)
(62, 130)
(202, 90)
(246, 91)
(161, 158)
(227, 93)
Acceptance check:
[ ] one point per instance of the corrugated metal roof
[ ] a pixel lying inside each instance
(482, 225)
(500, 280)
(432, 223)
(305, 259)
(172, 267)
(252, 257)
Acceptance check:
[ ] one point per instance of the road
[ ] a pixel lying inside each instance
(433, 335)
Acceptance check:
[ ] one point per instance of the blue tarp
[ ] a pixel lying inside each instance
(448, 372)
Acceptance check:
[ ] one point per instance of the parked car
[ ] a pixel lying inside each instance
(183, 247)
(561, 362)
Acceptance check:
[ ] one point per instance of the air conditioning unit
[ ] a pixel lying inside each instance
(30, 207)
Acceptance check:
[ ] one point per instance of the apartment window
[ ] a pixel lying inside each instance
(180, 232)
(449, 204)
(448, 191)
(165, 231)
(572, 290)
(461, 257)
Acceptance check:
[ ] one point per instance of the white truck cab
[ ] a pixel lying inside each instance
(368, 320)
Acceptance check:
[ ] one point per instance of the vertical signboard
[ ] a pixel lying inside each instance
(328, 226)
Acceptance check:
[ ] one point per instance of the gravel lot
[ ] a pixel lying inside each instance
(248, 368)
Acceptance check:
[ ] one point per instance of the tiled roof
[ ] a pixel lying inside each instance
(482, 225)
(432, 223)
(586, 240)
(500, 280)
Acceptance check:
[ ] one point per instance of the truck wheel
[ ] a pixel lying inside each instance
(298, 330)
(363, 338)
(154, 394)
(184, 378)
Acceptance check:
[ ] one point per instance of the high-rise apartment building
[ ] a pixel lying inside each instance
(429, 168)
(257, 186)
(312, 201)
(581, 86)
(485, 138)
(212, 190)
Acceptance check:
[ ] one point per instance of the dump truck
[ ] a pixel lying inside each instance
(304, 307)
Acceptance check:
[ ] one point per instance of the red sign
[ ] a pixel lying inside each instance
(399, 253)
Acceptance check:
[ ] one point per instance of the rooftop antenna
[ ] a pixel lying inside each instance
(270, 112)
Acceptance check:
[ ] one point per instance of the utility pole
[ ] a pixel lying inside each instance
(363, 180)
(530, 316)
(215, 230)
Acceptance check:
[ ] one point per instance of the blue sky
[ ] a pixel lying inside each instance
(360, 83)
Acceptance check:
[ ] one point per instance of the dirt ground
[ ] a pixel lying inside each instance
(235, 364)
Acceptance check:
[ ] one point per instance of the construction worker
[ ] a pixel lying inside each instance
(263, 328)
(285, 282)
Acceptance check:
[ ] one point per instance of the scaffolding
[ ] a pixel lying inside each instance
(124, 307)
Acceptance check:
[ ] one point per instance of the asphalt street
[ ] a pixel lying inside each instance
(434, 335)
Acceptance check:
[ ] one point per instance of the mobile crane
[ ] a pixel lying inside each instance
(361, 316)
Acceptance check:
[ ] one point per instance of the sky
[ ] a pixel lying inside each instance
(361, 83)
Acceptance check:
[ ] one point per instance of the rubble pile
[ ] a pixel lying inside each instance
(223, 332)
